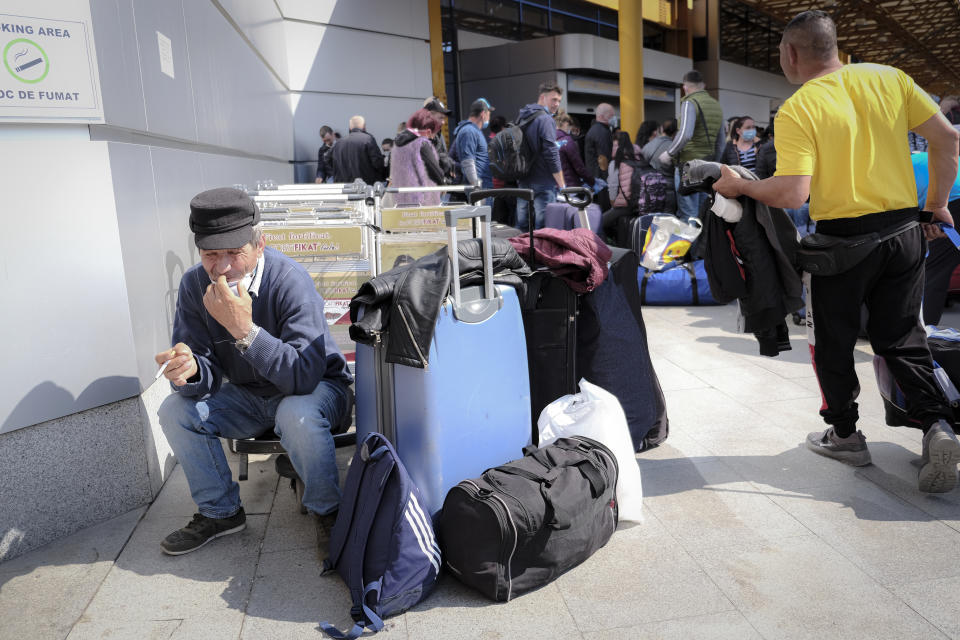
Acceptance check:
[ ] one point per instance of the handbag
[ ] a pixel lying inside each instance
(668, 239)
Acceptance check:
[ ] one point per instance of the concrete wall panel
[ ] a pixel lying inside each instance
(73, 346)
(398, 17)
(262, 24)
(341, 60)
(169, 101)
(239, 103)
(119, 61)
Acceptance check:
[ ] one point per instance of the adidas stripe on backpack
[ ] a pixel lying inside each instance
(510, 155)
(382, 544)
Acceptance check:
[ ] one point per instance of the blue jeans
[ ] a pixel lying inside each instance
(542, 196)
(801, 218)
(193, 428)
(687, 206)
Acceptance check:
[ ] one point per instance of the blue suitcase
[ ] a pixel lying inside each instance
(469, 409)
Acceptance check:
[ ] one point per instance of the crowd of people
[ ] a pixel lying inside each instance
(602, 157)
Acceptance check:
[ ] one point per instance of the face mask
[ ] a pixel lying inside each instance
(486, 124)
(247, 280)
(614, 122)
(749, 134)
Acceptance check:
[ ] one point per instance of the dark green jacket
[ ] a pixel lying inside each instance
(703, 143)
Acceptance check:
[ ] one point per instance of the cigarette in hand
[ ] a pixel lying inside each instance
(163, 368)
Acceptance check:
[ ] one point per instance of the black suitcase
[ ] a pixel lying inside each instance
(521, 525)
(550, 308)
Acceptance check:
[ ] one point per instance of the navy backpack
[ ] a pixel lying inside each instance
(382, 544)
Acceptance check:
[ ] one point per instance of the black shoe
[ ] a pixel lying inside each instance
(941, 453)
(200, 531)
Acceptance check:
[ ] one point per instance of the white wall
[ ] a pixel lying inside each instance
(362, 57)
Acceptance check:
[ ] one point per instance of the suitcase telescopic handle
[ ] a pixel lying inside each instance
(524, 194)
(580, 197)
(472, 311)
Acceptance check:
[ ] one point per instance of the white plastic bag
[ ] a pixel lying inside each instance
(596, 413)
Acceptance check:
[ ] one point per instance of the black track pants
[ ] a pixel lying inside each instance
(890, 282)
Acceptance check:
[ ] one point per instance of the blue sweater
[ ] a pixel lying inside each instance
(541, 135)
(293, 350)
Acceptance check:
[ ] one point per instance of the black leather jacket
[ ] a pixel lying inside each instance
(401, 306)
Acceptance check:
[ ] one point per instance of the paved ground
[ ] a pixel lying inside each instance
(747, 535)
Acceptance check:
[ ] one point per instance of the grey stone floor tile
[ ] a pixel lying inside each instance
(206, 591)
(769, 456)
(456, 612)
(673, 378)
(729, 625)
(676, 449)
(256, 493)
(711, 505)
(290, 598)
(288, 529)
(801, 588)
(44, 592)
(935, 600)
(695, 357)
(749, 383)
(638, 578)
(886, 537)
(699, 411)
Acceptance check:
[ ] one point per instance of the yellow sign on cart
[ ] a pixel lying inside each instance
(403, 219)
(329, 241)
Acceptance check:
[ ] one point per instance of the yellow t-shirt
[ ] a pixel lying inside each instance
(848, 130)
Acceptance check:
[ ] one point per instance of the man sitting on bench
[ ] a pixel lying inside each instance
(251, 315)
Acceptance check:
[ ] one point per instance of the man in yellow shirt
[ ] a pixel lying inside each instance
(842, 141)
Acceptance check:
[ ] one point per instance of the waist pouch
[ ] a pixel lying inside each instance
(823, 255)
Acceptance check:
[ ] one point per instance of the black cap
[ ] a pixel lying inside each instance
(434, 104)
(222, 218)
(479, 106)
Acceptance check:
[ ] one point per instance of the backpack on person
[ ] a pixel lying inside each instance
(650, 191)
(510, 154)
(382, 544)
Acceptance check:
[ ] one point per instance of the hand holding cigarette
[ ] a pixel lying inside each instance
(177, 364)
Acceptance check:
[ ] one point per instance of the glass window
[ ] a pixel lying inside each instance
(568, 24)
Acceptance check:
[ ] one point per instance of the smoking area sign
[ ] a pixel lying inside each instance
(49, 70)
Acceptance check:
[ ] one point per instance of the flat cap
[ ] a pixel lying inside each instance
(222, 218)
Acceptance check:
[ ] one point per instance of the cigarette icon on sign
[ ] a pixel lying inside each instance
(27, 65)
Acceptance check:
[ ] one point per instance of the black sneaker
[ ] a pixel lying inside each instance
(851, 450)
(200, 531)
(941, 453)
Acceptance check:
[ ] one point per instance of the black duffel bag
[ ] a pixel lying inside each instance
(521, 525)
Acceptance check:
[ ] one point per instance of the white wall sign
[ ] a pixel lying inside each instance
(49, 70)
(166, 54)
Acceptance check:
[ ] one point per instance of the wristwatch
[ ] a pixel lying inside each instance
(242, 344)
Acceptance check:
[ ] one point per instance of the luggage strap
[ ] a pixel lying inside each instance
(378, 467)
